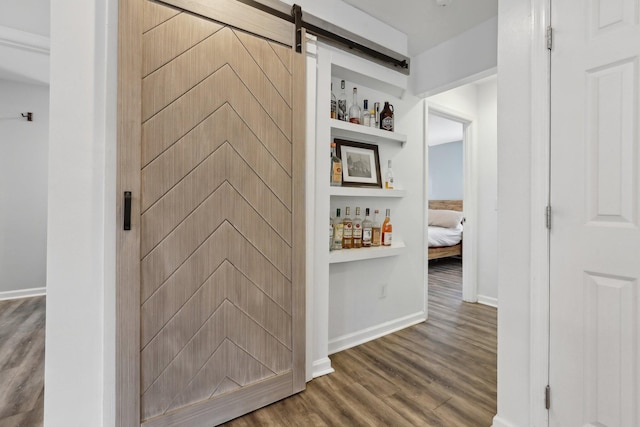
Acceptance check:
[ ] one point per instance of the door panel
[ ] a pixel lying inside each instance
(595, 197)
(220, 289)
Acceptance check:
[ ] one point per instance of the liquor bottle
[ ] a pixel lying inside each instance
(354, 110)
(357, 230)
(387, 228)
(342, 103)
(347, 230)
(336, 167)
(366, 229)
(337, 231)
(331, 221)
(366, 117)
(386, 117)
(376, 230)
(334, 104)
(388, 177)
(372, 113)
(376, 107)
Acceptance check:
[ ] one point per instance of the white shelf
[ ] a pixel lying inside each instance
(365, 192)
(362, 133)
(349, 255)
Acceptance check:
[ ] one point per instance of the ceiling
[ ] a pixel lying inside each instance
(424, 22)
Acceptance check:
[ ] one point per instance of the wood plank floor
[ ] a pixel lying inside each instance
(438, 373)
(22, 330)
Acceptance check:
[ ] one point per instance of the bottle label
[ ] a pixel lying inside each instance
(387, 123)
(355, 120)
(366, 237)
(336, 177)
(337, 235)
(342, 109)
(357, 232)
(347, 232)
(375, 237)
(333, 108)
(387, 238)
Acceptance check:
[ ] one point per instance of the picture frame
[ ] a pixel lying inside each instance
(360, 164)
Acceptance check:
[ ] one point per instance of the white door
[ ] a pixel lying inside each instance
(594, 368)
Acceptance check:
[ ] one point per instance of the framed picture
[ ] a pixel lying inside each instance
(360, 164)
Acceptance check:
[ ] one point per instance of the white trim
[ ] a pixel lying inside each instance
(470, 179)
(360, 337)
(490, 301)
(23, 40)
(501, 422)
(540, 158)
(322, 367)
(23, 293)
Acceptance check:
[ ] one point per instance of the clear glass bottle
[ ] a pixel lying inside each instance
(354, 110)
(347, 230)
(372, 113)
(366, 117)
(367, 225)
(376, 230)
(342, 103)
(357, 230)
(334, 104)
(331, 221)
(336, 167)
(337, 231)
(387, 229)
(388, 177)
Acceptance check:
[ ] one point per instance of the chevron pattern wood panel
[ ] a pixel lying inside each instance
(216, 223)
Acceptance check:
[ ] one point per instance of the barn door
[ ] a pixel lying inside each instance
(594, 365)
(210, 276)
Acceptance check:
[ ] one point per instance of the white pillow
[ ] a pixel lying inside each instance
(445, 218)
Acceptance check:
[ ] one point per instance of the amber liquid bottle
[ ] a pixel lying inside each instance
(386, 117)
(376, 232)
(347, 230)
(387, 229)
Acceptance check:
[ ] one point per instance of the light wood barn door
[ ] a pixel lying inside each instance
(215, 294)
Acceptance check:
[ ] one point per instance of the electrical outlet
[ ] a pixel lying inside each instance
(383, 291)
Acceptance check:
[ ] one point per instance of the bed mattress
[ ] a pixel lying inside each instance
(439, 236)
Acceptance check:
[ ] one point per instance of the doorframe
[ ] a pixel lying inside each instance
(540, 191)
(470, 191)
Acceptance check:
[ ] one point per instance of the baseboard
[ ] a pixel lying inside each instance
(360, 337)
(23, 293)
(322, 367)
(490, 301)
(501, 422)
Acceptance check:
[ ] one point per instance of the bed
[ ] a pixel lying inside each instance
(445, 229)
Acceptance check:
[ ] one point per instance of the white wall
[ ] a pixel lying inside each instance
(479, 101)
(460, 60)
(80, 341)
(24, 148)
(515, 37)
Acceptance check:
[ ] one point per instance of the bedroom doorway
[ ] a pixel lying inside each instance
(449, 140)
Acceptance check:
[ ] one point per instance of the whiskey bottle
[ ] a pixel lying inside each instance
(366, 229)
(357, 230)
(337, 232)
(366, 117)
(334, 104)
(342, 103)
(376, 231)
(387, 229)
(388, 177)
(354, 110)
(336, 167)
(347, 230)
(386, 117)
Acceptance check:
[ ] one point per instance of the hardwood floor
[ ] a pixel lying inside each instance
(438, 373)
(22, 362)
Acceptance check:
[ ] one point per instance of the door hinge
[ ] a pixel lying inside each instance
(549, 37)
(548, 217)
(547, 397)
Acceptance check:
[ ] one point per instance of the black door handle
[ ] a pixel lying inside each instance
(127, 210)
